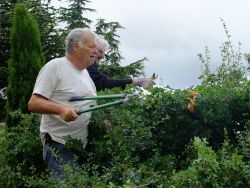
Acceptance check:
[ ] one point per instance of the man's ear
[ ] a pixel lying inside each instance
(75, 46)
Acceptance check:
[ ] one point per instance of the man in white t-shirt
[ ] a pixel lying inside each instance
(57, 81)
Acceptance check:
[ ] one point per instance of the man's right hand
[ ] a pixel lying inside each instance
(68, 114)
(42, 105)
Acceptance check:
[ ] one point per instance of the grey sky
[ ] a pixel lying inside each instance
(171, 33)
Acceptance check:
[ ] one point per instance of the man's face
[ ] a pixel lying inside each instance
(100, 55)
(88, 52)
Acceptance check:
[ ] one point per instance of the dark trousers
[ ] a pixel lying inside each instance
(55, 156)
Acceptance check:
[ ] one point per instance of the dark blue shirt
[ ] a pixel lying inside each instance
(103, 82)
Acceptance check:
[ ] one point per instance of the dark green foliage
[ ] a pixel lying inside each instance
(208, 169)
(118, 71)
(45, 15)
(145, 141)
(2, 111)
(110, 65)
(151, 141)
(244, 139)
(159, 125)
(203, 170)
(21, 150)
(73, 16)
(25, 62)
(3, 77)
(24, 142)
(5, 26)
(109, 31)
(3, 84)
(231, 104)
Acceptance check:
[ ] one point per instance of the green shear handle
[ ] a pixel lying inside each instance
(123, 98)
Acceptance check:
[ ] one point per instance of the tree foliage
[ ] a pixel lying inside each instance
(231, 71)
(152, 141)
(45, 15)
(73, 16)
(110, 65)
(6, 16)
(149, 141)
(25, 61)
(109, 31)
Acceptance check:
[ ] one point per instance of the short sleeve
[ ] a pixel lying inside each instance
(46, 81)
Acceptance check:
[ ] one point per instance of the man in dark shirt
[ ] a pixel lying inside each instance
(104, 82)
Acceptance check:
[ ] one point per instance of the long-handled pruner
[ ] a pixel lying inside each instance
(123, 98)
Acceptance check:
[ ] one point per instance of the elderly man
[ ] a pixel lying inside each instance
(58, 80)
(104, 82)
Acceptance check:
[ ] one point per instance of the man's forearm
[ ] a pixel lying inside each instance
(42, 105)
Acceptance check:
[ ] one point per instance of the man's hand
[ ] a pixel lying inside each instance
(144, 82)
(68, 114)
(42, 105)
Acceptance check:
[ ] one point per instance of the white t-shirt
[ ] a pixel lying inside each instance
(59, 80)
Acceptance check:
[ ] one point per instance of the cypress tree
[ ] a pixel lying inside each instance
(26, 59)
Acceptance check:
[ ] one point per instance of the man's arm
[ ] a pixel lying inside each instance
(42, 105)
(101, 81)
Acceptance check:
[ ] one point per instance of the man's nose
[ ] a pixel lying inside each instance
(95, 52)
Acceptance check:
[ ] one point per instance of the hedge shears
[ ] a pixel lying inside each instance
(123, 98)
(154, 76)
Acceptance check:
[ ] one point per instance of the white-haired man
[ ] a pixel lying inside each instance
(104, 82)
(57, 81)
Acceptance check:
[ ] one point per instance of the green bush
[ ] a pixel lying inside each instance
(146, 141)
(210, 169)
(23, 148)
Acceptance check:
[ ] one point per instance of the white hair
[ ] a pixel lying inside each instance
(102, 44)
(77, 35)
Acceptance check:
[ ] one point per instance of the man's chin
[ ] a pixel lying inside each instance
(97, 61)
(91, 62)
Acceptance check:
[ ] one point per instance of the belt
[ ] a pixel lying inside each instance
(48, 139)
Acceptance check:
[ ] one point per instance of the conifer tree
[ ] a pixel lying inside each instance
(111, 63)
(73, 16)
(109, 31)
(6, 16)
(26, 59)
(45, 15)
(5, 26)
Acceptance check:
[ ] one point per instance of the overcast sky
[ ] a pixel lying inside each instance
(170, 33)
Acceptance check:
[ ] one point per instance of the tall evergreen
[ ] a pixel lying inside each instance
(73, 16)
(111, 63)
(6, 16)
(26, 59)
(109, 31)
(5, 25)
(45, 15)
